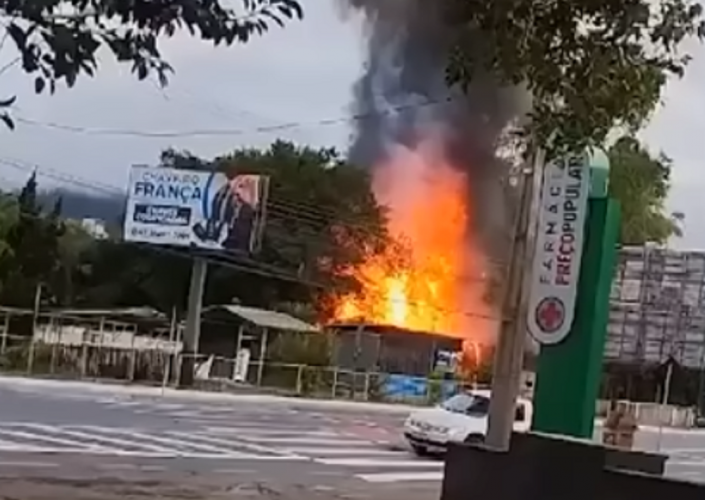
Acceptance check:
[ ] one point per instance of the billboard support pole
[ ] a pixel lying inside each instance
(192, 332)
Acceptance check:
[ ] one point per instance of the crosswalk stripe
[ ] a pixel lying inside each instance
(105, 439)
(161, 439)
(373, 462)
(396, 477)
(307, 440)
(146, 454)
(313, 451)
(48, 439)
(268, 432)
(241, 444)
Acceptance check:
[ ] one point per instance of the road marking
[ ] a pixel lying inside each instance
(307, 440)
(117, 466)
(28, 464)
(168, 406)
(686, 463)
(342, 451)
(48, 439)
(237, 443)
(395, 477)
(169, 441)
(145, 454)
(106, 439)
(125, 404)
(235, 471)
(372, 462)
(269, 432)
(152, 468)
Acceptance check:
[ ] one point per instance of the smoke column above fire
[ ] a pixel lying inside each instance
(426, 144)
(404, 97)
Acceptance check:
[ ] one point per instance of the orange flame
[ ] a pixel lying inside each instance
(431, 279)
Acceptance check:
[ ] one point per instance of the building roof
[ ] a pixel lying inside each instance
(390, 329)
(265, 318)
(133, 312)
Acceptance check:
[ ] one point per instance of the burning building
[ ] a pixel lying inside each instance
(432, 152)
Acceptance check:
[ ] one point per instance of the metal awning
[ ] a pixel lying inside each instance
(265, 318)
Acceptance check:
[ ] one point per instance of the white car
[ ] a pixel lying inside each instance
(461, 418)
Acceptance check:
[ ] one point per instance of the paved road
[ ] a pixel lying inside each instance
(53, 438)
(71, 435)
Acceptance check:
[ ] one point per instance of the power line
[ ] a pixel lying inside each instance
(279, 214)
(145, 134)
(240, 262)
(289, 210)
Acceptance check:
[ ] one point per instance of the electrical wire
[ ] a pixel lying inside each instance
(229, 132)
(280, 209)
(295, 210)
(236, 262)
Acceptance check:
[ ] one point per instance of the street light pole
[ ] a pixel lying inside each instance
(511, 341)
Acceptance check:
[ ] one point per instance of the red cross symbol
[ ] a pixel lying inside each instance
(550, 314)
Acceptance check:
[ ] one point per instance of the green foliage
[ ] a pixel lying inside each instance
(31, 243)
(641, 183)
(434, 393)
(321, 217)
(307, 356)
(315, 198)
(302, 349)
(59, 40)
(589, 64)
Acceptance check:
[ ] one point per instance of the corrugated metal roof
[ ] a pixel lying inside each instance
(265, 318)
(135, 312)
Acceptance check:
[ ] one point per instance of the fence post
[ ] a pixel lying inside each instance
(84, 353)
(367, 386)
(5, 333)
(35, 324)
(334, 389)
(30, 355)
(262, 353)
(299, 378)
(55, 343)
(132, 359)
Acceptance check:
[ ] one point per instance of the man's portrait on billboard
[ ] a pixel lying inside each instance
(233, 210)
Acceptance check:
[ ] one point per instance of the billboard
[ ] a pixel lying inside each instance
(209, 210)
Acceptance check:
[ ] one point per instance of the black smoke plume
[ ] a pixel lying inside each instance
(403, 94)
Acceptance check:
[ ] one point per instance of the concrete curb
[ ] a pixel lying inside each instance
(102, 389)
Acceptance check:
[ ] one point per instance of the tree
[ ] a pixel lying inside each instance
(320, 216)
(8, 217)
(321, 212)
(641, 183)
(588, 64)
(58, 40)
(32, 255)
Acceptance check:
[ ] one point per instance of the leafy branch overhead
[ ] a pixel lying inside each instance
(60, 39)
(590, 65)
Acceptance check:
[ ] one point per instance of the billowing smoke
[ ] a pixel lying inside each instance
(403, 97)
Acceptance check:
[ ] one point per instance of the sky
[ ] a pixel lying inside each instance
(299, 77)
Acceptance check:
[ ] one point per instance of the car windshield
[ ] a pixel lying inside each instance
(469, 404)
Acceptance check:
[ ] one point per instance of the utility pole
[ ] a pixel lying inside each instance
(192, 332)
(35, 324)
(511, 340)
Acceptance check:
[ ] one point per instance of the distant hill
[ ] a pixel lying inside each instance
(80, 205)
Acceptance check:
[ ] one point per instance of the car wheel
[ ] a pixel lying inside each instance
(475, 439)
